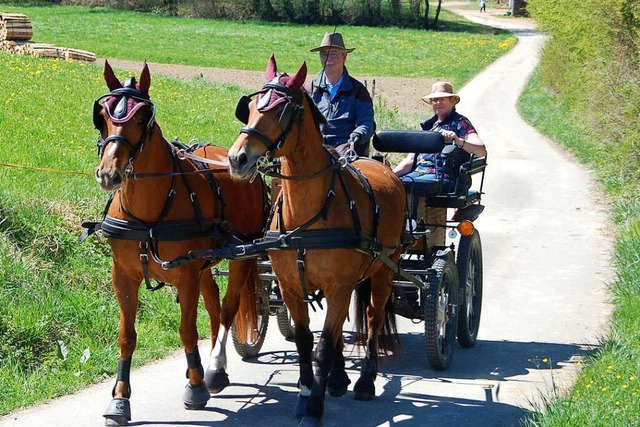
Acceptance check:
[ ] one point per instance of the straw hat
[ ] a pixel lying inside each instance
(441, 90)
(332, 40)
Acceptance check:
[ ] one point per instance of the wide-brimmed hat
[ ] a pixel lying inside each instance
(332, 40)
(441, 90)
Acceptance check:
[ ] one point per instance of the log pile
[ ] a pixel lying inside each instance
(15, 26)
(15, 36)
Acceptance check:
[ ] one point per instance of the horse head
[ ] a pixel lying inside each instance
(270, 120)
(125, 119)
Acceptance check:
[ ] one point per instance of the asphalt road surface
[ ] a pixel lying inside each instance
(546, 263)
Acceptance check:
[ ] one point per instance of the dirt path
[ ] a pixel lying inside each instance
(546, 267)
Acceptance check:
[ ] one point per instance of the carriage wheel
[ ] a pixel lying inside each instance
(470, 274)
(285, 324)
(440, 313)
(253, 345)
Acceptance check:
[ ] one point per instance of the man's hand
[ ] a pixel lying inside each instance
(354, 139)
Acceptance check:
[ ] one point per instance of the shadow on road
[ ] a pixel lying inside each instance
(410, 393)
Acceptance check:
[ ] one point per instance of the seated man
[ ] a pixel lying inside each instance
(343, 100)
(433, 166)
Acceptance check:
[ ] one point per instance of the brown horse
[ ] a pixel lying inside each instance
(166, 202)
(340, 225)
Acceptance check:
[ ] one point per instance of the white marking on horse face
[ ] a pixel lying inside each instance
(111, 151)
(218, 355)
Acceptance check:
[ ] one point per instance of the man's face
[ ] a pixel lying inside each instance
(333, 59)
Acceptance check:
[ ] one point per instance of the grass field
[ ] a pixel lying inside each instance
(58, 316)
(244, 45)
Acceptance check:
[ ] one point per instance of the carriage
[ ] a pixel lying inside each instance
(338, 226)
(437, 283)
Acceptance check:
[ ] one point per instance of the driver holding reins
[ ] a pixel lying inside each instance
(344, 101)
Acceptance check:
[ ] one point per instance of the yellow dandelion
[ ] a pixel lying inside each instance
(625, 385)
(617, 403)
(632, 378)
(610, 367)
(545, 360)
(618, 376)
(603, 389)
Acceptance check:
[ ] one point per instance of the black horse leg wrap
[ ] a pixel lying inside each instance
(124, 369)
(194, 362)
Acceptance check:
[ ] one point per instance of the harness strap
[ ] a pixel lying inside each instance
(144, 259)
(352, 206)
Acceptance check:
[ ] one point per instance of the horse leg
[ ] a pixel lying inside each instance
(364, 388)
(216, 381)
(303, 338)
(338, 380)
(118, 412)
(241, 274)
(324, 358)
(196, 395)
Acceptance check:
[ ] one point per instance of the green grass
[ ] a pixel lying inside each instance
(247, 45)
(608, 389)
(58, 316)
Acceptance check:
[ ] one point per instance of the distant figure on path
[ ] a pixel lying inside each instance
(483, 6)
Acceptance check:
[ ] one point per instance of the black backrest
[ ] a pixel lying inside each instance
(408, 141)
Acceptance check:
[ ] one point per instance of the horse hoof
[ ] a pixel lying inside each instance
(337, 383)
(216, 380)
(301, 406)
(195, 396)
(118, 412)
(364, 389)
(310, 421)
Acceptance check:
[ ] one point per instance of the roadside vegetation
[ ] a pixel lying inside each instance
(58, 316)
(585, 97)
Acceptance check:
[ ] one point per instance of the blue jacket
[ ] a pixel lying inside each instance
(351, 111)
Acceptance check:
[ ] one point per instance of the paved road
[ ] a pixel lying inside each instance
(546, 253)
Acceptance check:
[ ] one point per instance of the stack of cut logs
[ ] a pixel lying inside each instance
(16, 31)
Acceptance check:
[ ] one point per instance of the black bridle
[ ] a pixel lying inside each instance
(293, 107)
(127, 92)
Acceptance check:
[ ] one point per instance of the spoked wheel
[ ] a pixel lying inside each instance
(440, 313)
(285, 324)
(254, 339)
(470, 274)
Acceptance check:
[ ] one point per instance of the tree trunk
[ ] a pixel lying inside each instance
(435, 19)
(426, 15)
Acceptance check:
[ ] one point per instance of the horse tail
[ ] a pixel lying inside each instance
(246, 320)
(388, 338)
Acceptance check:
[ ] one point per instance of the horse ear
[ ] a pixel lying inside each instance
(110, 78)
(272, 68)
(297, 80)
(145, 80)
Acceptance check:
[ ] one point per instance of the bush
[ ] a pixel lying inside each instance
(592, 62)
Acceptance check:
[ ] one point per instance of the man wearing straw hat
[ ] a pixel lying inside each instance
(343, 100)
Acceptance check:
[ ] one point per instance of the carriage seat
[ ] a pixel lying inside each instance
(419, 141)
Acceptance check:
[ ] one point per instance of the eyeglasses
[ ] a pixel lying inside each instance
(332, 55)
(434, 100)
